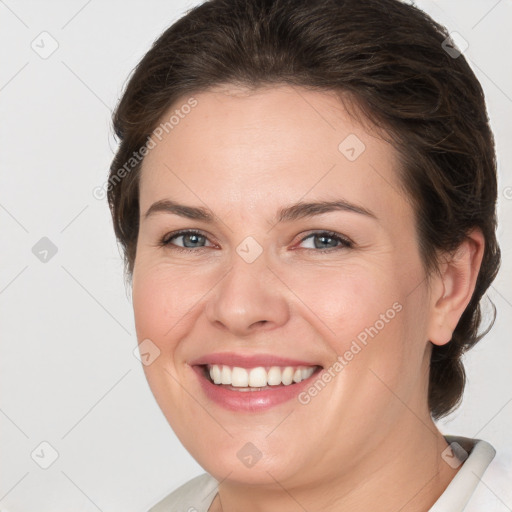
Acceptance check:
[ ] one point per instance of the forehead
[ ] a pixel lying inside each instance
(258, 147)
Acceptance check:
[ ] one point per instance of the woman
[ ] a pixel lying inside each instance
(305, 196)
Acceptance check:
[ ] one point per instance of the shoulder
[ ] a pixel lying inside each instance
(196, 495)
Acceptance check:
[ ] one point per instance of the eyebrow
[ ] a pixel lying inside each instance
(289, 213)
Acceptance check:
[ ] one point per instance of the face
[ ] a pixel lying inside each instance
(333, 293)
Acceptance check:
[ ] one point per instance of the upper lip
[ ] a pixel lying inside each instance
(248, 360)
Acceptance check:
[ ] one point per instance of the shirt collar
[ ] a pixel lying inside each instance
(460, 489)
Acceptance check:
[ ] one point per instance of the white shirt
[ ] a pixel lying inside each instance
(482, 484)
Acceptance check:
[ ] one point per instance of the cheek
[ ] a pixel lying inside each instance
(162, 298)
(345, 301)
(162, 303)
(372, 323)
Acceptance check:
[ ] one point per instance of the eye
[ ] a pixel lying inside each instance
(191, 240)
(328, 240)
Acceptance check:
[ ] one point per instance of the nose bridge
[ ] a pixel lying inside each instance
(249, 294)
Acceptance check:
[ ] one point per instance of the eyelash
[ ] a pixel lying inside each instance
(166, 240)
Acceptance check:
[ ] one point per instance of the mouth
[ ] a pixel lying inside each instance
(260, 378)
(252, 384)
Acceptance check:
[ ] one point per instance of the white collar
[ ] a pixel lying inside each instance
(461, 488)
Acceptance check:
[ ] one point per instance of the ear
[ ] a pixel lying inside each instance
(453, 287)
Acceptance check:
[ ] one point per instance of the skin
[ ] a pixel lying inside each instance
(367, 438)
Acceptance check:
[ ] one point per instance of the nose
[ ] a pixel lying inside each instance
(249, 298)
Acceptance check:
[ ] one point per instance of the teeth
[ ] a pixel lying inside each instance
(258, 377)
(305, 373)
(215, 374)
(287, 376)
(274, 376)
(225, 375)
(239, 377)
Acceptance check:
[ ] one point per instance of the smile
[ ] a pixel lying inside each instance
(252, 383)
(251, 379)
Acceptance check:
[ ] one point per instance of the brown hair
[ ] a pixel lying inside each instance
(390, 58)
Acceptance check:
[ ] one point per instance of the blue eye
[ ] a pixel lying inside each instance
(193, 240)
(328, 240)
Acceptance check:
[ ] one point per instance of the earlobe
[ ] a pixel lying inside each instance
(453, 287)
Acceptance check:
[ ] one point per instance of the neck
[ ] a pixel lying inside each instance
(406, 472)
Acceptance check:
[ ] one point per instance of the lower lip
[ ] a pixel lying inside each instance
(251, 401)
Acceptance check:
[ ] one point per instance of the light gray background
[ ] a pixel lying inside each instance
(67, 369)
